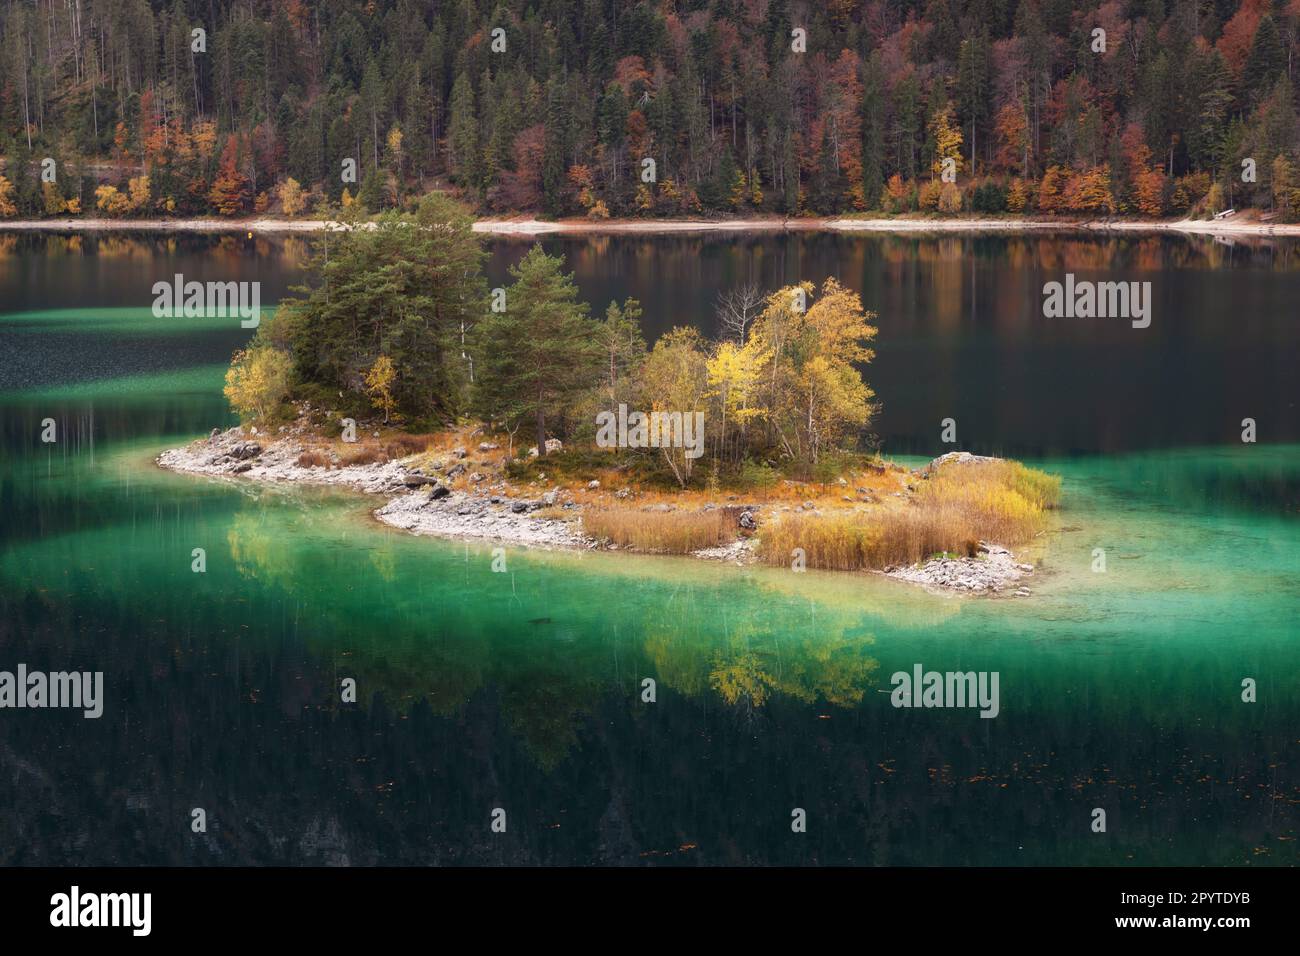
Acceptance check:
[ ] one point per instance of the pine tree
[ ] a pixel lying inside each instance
(554, 147)
(537, 355)
(1264, 63)
(463, 134)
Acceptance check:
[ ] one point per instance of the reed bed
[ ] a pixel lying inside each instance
(956, 508)
(660, 532)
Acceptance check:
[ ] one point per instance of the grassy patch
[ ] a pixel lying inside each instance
(951, 513)
(661, 532)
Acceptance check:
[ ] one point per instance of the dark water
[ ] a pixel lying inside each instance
(962, 333)
(522, 691)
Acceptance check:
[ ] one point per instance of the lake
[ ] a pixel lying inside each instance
(522, 691)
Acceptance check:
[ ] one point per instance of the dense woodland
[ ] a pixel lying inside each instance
(740, 114)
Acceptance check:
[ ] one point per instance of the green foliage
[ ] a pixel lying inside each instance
(409, 288)
(539, 353)
(989, 197)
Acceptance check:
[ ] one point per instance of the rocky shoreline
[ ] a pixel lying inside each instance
(422, 504)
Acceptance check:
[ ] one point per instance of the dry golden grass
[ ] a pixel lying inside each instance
(365, 455)
(400, 446)
(313, 459)
(661, 532)
(952, 512)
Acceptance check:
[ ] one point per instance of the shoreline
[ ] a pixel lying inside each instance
(531, 227)
(424, 505)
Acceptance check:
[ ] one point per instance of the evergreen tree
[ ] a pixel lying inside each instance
(410, 288)
(463, 134)
(540, 353)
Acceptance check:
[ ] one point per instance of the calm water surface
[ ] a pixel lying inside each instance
(522, 690)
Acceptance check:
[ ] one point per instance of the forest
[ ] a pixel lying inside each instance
(613, 108)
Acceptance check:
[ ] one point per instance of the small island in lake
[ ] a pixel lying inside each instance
(512, 414)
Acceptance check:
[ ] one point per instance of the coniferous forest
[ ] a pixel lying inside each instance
(614, 108)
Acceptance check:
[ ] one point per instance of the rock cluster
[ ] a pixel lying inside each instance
(993, 570)
(954, 457)
(461, 515)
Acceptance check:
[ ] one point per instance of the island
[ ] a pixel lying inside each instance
(513, 414)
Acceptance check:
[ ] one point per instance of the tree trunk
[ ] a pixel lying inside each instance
(541, 432)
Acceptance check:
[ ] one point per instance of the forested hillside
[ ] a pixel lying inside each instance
(238, 107)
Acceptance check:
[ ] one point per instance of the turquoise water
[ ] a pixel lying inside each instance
(523, 690)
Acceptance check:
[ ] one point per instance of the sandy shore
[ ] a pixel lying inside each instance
(536, 227)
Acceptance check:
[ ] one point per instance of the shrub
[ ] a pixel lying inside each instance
(661, 532)
(312, 459)
(755, 475)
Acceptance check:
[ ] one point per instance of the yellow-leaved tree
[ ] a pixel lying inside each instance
(109, 200)
(292, 200)
(380, 379)
(258, 381)
(675, 378)
(947, 139)
(7, 207)
(734, 375)
(52, 199)
(140, 191)
(816, 394)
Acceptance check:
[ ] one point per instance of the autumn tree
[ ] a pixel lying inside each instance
(815, 392)
(231, 190)
(1013, 139)
(109, 200)
(290, 194)
(258, 381)
(52, 199)
(380, 379)
(1089, 191)
(735, 378)
(1050, 190)
(7, 208)
(675, 381)
(947, 140)
(1286, 189)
